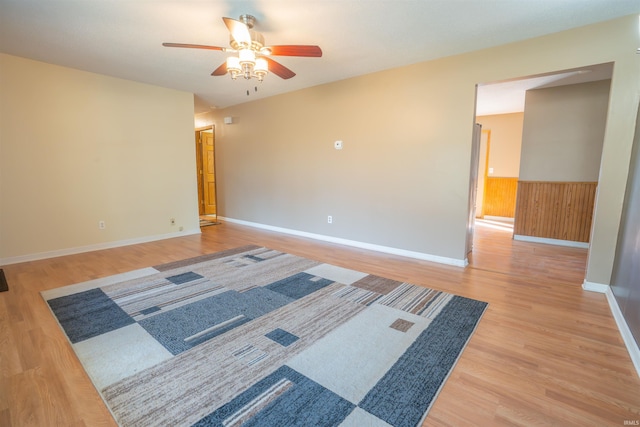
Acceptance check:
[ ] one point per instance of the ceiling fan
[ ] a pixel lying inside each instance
(253, 57)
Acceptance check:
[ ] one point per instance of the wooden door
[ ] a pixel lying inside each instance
(208, 173)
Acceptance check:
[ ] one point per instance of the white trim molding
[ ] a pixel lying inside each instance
(627, 336)
(499, 218)
(353, 243)
(548, 241)
(95, 247)
(595, 287)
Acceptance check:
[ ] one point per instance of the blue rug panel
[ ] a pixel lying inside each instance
(306, 403)
(88, 314)
(298, 285)
(150, 310)
(282, 337)
(405, 392)
(171, 328)
(189, 276)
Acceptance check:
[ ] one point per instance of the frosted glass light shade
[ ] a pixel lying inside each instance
(233, 64)
(261, 66)
(247, 56)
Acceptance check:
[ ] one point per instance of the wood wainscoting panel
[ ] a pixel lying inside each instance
(555, 210)
(500, 196)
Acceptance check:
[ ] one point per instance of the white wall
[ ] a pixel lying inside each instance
(77, 148)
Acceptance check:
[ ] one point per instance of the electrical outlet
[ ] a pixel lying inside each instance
(172, 221)
(102, 225)
(329, 219)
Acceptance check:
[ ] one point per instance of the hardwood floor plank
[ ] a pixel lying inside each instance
(26, 405)
(5, 416)
(452, 412)
(9, 356)
(545, 353)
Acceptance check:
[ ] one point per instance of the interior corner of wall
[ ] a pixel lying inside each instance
(595, 287)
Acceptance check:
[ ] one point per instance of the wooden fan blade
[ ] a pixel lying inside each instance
(279, 69)
(194, 46)
(296, 50)
(221, 70)
(239, 31)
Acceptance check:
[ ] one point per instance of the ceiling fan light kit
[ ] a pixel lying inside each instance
(247, 65)
(252, 56)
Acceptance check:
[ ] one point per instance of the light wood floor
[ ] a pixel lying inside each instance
(545, 353)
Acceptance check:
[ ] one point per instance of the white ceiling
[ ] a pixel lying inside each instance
(509, 96)
(122, 38)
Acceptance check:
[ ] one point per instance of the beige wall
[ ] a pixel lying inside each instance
(506, 141)
(402, 178)
(563, 132)
(77, 148)
(398, 169)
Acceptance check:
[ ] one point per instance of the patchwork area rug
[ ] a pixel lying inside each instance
(257, 337)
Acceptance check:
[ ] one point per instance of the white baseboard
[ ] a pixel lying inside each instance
(346, 242)
(548, 241)
(498, 218)
(595, 287)
(627, 336)
(95, 247)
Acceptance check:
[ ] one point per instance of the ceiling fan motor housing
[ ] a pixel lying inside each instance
(248, 20)
(257, 40)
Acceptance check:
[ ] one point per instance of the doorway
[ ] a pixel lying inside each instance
(498, 106)
(206, 172)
